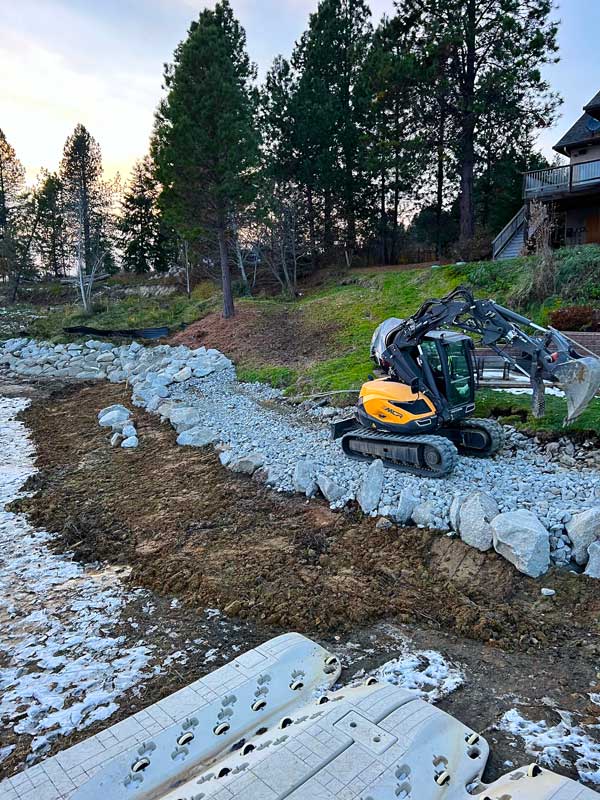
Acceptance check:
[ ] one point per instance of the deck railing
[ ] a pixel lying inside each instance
(556, 180)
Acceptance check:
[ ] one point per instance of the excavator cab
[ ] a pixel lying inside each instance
(450, 359)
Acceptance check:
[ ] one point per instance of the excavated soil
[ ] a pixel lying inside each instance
(191, 528)
(273, 336)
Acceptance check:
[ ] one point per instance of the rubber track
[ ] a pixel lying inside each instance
(494, 431)
(447, 450)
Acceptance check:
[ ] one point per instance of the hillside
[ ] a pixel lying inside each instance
(320, 341)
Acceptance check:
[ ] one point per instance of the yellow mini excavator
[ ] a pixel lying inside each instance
(419, 416)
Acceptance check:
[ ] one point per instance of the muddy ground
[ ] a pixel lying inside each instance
(189, 528)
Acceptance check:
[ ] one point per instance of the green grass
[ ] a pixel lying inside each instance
(279, 377)
(359, 307)
(129, 312)
(516, 410)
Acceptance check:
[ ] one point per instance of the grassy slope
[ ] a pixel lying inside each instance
(355, 306)
(129, 312)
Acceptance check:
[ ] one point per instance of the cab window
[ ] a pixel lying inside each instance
(460, 389)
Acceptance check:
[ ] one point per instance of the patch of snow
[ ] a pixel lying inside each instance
(425, 672)
(6, 751)
(551, 744)
(65, 665)
(211, 655)
(550, 390)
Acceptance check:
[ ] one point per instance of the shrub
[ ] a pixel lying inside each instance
(576, 318)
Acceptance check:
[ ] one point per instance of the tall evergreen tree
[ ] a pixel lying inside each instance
(51, 238)
(495, 52)
(395, 146)
(18, 219)
(330, 110)
(12, 181)
(139, 221)
(81, 176)
(146, 241)
(205, 143)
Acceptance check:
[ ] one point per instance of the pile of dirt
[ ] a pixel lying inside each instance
(273, 335)
(191, 528)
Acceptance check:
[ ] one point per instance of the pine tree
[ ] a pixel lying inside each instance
(139, 220)
(495, 52)
(329, 109)
(18, 219)
(51, 237)
(145, 239)
(396, 147)
(12, 179)
(205, 143)
(81, 176)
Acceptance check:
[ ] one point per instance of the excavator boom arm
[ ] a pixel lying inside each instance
(545, 354)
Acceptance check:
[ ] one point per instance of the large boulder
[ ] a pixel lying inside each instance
(106, 357)
(593, 566)
(184, 374)
(406, 505)
(305, 480)
(330, 490)
(424, 514)
(112, 415)
(247, 465)
(197, 437)
(583, 529)
(454, 511)
(521, 538)
(371, 487)
(182, 418)
(476, 513)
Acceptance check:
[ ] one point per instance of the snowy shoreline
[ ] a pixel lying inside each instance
(66, 667)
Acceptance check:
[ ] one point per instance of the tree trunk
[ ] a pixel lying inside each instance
(467, 211)
(228, 307)
(439, 202)
(239, 257)
(468, 121)
(382, 217)
(14, 288)
(328, 227)
(85, 210)
(311, 228)
(187, 268)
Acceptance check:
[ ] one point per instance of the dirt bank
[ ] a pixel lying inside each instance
(273, 334)
(189, 527)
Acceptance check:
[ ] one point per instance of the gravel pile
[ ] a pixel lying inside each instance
(291, 449)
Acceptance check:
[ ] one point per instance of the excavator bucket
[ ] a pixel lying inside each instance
(580, 380)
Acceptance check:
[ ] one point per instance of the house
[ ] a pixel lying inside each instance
(572, 190)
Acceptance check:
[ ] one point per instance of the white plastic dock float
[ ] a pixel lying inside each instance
(265, 727)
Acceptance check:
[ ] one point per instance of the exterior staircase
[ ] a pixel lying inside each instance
(511, 239)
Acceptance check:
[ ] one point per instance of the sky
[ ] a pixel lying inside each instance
(100, 62)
